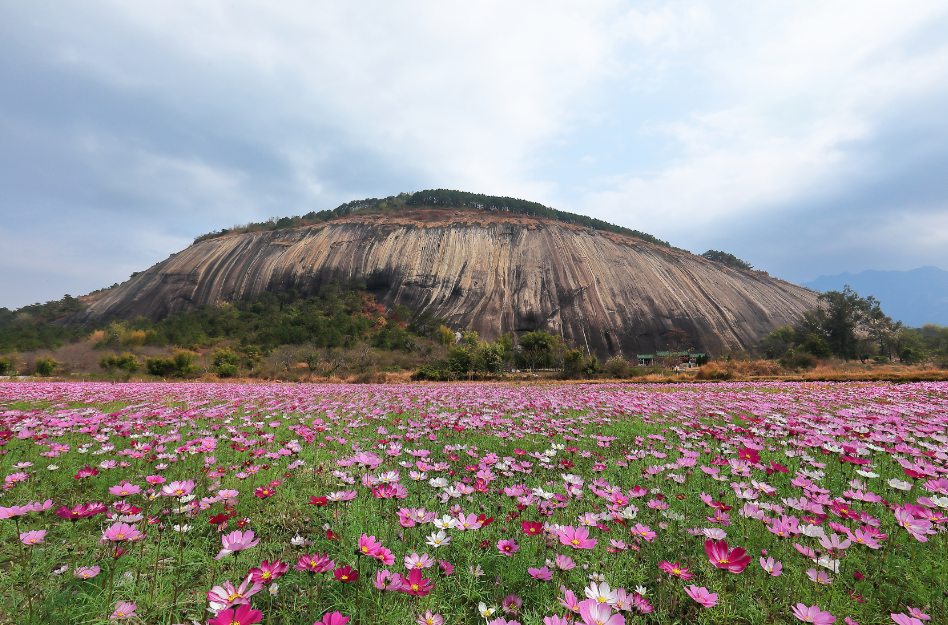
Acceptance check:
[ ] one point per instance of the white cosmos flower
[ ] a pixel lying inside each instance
(899, 484)
(484, 610)
(438, 539)
(867, 474)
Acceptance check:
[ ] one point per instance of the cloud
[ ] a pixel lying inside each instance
(126, 129)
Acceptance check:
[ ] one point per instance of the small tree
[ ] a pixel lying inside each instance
(617, 367)
(45, 366)
(6, 364)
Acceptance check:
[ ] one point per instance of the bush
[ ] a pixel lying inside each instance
(159, 366)
(799, 360)
(181, 364)
(184, 363)
(617, 367)
(226, 362)
(45, 366)
(5, 365)
(226, 370)
(125, 362)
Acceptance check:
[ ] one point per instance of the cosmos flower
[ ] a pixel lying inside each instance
(813, 615)
(735, 560)
(701, 596)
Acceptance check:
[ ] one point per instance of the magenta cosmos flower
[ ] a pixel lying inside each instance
(333, 618)
(241, 615)
(813, 614)
(315, 563)
(236, 541)
(269, 571)
(577, 538)
(507, 547)
(734, 560)
(701, 596)
(595, 613)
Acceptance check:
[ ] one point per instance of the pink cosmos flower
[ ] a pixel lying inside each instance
(916, 613)
(813, 614)
(368, 545)
(242, 615)
(542, 573)
(384, 580)
(335, 618)
(904, 619)
(644, 531)
(415, 561)
(595, 613)
(819, 577)
(123, 610)
(503, 621)
(675, 570)
(555, 620)
(775, 568)
(236, 541)
(230, 596)
(808, 552)
(430, 619)
(446, 567)
(178, 489)
(34, 537)
(507, 547)
(735, 560)
(511, 604)
(125, 488)
(701, 596)
(569, 600)
(120, 532)
(564, 563)
(577, 538)
(86, 572)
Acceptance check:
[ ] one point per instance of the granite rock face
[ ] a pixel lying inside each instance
(488, 271)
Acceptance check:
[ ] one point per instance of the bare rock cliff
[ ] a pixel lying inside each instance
(492, 272)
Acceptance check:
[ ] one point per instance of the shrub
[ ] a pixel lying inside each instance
(45, 366)
(226, 362)
(5, 365)
(159, 366)
(184, 363)
(226, 370)
(617, 367)
(125, 362)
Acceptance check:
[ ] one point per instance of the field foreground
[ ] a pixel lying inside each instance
(442, 504)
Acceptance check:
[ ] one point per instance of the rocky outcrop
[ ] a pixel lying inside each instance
(492, 272)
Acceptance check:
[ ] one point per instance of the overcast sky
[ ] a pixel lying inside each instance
(805, 137)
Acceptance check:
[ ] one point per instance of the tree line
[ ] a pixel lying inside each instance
(437, 198)
(851, 327)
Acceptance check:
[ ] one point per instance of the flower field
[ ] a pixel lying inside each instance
(475, 504)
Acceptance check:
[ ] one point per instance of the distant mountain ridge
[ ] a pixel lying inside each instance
(915, 297)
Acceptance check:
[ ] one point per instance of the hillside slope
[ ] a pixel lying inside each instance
(490, 271)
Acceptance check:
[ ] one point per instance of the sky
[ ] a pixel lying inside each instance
(808, 138)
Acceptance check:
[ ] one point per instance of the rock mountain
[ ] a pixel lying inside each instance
(490, 271)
